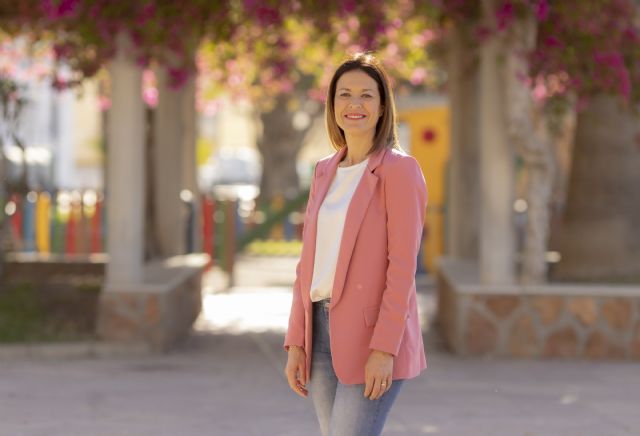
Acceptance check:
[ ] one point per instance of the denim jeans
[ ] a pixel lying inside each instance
(342, 410)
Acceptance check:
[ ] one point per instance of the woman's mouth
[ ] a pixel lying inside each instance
(355, 116)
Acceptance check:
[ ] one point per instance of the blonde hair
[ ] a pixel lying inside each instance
(386, 134)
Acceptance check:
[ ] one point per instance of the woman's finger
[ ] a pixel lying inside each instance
(302, 373)
(389, 383)
(297, 388)
(375, 394)
(368, 387)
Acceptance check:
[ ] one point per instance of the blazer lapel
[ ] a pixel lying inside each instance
(355, 214)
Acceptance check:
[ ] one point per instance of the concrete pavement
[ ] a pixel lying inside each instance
(227, 379)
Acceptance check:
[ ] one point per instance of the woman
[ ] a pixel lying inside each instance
(354, 332)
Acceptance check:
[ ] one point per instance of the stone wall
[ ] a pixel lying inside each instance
(53, 268)
(556, 320)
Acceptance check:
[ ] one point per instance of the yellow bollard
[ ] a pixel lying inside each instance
(43, 223)
(277, 231)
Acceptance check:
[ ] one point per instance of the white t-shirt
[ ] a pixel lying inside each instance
(331, 217)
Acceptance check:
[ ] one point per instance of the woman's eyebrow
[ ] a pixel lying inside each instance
(349, 89)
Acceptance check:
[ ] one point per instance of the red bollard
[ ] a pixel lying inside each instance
(16, 223)
(207, 228)
(96, 227)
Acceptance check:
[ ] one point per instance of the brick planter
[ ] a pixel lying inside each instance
(555, 320)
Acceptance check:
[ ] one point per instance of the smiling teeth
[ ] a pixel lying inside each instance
(355, 117)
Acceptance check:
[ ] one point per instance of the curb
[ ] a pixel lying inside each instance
(72, 350)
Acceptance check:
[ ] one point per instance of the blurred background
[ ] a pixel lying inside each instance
(155, 162)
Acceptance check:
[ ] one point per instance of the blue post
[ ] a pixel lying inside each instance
(28, 230)
(289, 229)
(240, 227)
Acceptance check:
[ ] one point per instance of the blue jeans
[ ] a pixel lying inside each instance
(342, 410)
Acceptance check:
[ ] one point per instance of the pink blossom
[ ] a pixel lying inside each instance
(343, 37)
(150, 96)
(418, 76)
(104, 103)
(552, 41)
(58, 83)
(348, 6)
(353, 23)
(504, 15)
(539, 92)
(267, 16)
(148, 11)
(212, 107)
(59, 9)
(286, 85)
(392, 49)
(613, 60)
(541, 9)
(177, 77)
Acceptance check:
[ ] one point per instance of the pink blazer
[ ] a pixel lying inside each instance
(373, 301)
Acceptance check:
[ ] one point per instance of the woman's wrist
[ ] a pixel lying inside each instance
(384, 353)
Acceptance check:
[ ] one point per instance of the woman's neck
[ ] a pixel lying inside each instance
(357, 149)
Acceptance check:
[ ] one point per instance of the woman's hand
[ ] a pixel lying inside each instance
(296, 370)
(378, 370)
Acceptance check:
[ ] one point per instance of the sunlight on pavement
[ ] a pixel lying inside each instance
(256, 311)
(242, 312)
(568, 398)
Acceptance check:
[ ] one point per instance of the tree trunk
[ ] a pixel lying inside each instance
(279, 145)
(4, 219)
(463, 198)
(598, 237)
(529, 133)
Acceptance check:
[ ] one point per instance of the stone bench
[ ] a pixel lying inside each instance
(595, 321)
(159, 312)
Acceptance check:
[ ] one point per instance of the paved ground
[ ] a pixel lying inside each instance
(227, 380)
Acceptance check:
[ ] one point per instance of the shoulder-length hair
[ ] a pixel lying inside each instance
(386, 129)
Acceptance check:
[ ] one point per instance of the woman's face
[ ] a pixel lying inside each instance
(357, 103)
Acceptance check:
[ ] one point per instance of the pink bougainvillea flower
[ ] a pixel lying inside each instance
(552, 41)
(418, 76)
(59, 9)
(504, 15)
(541, 10)
(267, 16)
(177, 77)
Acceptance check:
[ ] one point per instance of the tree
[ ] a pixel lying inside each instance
(283, 56)
(581, 50)
(595, 46)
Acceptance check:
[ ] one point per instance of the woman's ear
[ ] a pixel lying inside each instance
(381, 111)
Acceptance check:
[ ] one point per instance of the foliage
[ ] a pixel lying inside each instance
(255, 49)
(35, 313)
(278, 50)
(261, 49)
(583, 48)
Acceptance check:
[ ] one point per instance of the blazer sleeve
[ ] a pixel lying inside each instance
(406, 195)
(295, 330)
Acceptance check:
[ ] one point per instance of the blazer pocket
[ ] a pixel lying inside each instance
(371, 315)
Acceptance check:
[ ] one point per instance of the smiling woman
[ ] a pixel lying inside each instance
(354, 331)
(360, 106)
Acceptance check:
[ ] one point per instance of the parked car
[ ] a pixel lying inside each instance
(232, 172)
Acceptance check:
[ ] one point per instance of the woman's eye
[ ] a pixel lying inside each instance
(366, 95)
(344, 94)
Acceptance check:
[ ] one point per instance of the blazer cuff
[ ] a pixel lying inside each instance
(389, 337)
